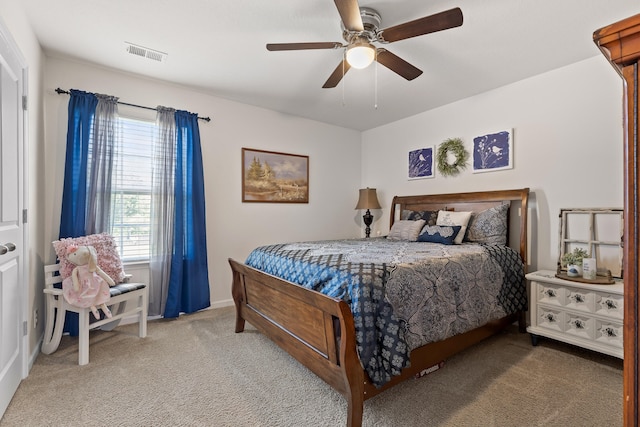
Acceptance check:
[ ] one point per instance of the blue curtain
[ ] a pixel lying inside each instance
(188, 289)
(82, 108)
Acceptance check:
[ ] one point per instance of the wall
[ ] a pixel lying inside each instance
(233, 227)
(567, 147)
(14, 19)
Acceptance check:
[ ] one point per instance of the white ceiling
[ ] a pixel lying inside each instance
(218, 47)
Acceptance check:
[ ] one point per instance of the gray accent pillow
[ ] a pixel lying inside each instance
(489, 226)
(429, 216)
(406, 230)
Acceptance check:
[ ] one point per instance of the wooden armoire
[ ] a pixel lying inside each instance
(620, 44)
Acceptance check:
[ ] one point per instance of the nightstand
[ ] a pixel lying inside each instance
(582, 314)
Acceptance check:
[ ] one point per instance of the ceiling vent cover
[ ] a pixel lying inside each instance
(145, 52)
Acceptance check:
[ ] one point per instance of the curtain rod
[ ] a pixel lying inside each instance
(66, 92)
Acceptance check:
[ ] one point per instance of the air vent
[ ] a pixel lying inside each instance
(145, 52)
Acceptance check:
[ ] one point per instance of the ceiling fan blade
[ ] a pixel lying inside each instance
(302, 46)
(429, 24)
(397, 64)
(349, 11)
(337, 75)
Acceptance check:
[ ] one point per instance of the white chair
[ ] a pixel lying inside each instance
(127, 299)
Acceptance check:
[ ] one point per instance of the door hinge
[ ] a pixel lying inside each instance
(24, 102)
(24, 216)
(24, 328)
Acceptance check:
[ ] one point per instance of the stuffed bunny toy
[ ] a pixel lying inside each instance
(88, 285)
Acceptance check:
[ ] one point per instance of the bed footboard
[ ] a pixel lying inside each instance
(315, 329)
(319, 332)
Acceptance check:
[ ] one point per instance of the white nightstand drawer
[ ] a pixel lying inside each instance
(551, 294)
(549, 318)
(581, 300)
(610, 305)
(580, 325)
(609, 333)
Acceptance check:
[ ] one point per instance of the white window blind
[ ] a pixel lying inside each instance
(131, 188)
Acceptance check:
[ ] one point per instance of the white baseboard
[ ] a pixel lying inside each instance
(223, 303)
(217, 304)
(34, 354)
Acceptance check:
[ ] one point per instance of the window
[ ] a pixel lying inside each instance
(131, 188)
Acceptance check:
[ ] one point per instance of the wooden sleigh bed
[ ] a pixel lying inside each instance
(319, 330)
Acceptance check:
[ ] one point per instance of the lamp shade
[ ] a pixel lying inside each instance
(360, 55)
(368, 199)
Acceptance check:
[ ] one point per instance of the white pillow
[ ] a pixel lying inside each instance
(406, 230)
(455, 218)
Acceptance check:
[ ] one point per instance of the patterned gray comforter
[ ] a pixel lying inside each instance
(403, 294)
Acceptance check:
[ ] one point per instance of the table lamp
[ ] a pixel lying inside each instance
(368, 200)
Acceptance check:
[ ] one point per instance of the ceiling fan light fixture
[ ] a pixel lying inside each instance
(361, 29)
(360, 54)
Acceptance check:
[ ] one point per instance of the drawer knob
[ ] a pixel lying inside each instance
(610, 304)
(550, 292)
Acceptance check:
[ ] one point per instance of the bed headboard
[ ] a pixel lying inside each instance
(474, 202)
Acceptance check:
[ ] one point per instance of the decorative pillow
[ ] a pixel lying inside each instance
(406, 230)
(429, 216)
(455, 218)
(106, 249)
(444, 234)
(489, 226)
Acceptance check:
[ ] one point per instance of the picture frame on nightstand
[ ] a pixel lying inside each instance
(599, 231)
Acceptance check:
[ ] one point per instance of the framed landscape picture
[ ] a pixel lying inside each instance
(272, 177)
(421, 163)
(493, 152)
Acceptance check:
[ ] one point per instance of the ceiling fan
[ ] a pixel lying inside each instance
(361, 29)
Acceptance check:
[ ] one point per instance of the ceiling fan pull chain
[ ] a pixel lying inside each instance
(375, 76)
(344, 60)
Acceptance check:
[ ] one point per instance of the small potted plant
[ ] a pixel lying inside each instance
(573, 261)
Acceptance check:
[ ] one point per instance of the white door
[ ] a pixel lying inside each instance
(12, 282)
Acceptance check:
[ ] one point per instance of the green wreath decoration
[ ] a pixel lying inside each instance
(454, 146)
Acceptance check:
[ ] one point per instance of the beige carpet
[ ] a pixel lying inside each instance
(195, 371)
